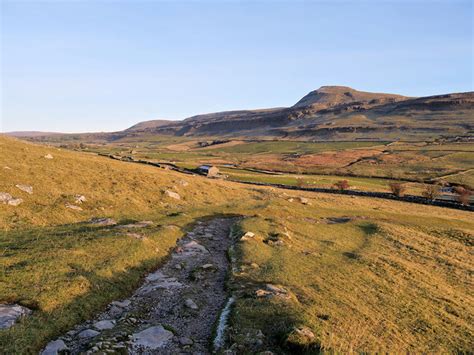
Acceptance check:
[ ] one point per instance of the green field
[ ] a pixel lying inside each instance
(413, 161)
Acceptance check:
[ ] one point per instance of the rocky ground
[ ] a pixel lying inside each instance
(175, 311)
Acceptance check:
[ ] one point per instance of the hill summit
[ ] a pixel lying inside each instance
(330, 96)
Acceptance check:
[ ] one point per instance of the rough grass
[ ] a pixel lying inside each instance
(66, 269)
(394, 278)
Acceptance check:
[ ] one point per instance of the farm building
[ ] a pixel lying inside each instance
(208, 170)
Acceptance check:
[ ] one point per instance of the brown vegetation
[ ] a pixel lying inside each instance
(464, 195)
(431, 191)
(342, 185)
(397, 188)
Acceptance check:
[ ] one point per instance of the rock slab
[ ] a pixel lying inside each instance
(10, 313)
(54, 347)
(152, 338)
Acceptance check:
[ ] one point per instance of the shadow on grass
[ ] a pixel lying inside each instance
(31, 334)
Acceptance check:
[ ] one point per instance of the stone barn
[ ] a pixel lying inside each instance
(208, 170)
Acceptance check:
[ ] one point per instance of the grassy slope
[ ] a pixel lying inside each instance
(404, 287)
(66, 270)
(395, 278)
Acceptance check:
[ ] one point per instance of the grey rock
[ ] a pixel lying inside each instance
(78, 199)
(141, 224)
(185, 341)
(152, 338)
(172, 194)
(15, 201)
(5, 197)
(88, 333)
(207, 266)
(103, 221)
(73, 207)
(135, 235)
(104, 324)
(183, 183)
(25, 188)
(115, 311)
(122, 304)
(54, 347)
(10, 313)
(191, 304)
(195, 246)
(304, 200)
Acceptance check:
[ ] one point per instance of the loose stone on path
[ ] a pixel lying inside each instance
(173, 311)
(152, 338)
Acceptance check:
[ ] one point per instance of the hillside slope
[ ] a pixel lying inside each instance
(329, 113)
(364, 275)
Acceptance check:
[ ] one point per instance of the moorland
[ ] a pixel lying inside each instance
(310, 272)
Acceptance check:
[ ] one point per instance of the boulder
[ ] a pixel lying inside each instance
(25, 188)
(15, 201)
(304, 200)
(152, 338)
(172, 194)
(191, 304)
(208, 267)
(5, 197)
(185, 341)
(122, 304)
(54, 347)
(115, 311)
(194, 246)
(247, 236)
(104, 324)
(88, 333)
(73, 207)
(10, 313)
(142, 224)
(103, 221)
(272, 290)
(183, 183)
(135, 235)
(78, 199)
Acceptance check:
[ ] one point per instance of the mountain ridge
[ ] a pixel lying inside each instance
(328, 113)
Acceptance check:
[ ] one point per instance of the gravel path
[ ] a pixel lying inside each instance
(175, 311)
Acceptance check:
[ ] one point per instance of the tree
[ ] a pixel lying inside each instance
(464, 195)
(431, 191)
(342, 185)
(300, 182)
(397, 188)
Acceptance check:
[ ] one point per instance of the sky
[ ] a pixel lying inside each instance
(78, 66)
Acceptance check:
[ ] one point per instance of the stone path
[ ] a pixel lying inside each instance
(176, 309)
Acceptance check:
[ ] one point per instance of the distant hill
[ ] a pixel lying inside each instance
(327, 97)
(148, 125)
(328, 113)
(32, 134)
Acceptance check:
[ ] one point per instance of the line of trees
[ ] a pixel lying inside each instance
(430, 191)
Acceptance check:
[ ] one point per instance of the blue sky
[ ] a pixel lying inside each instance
(75, 66)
